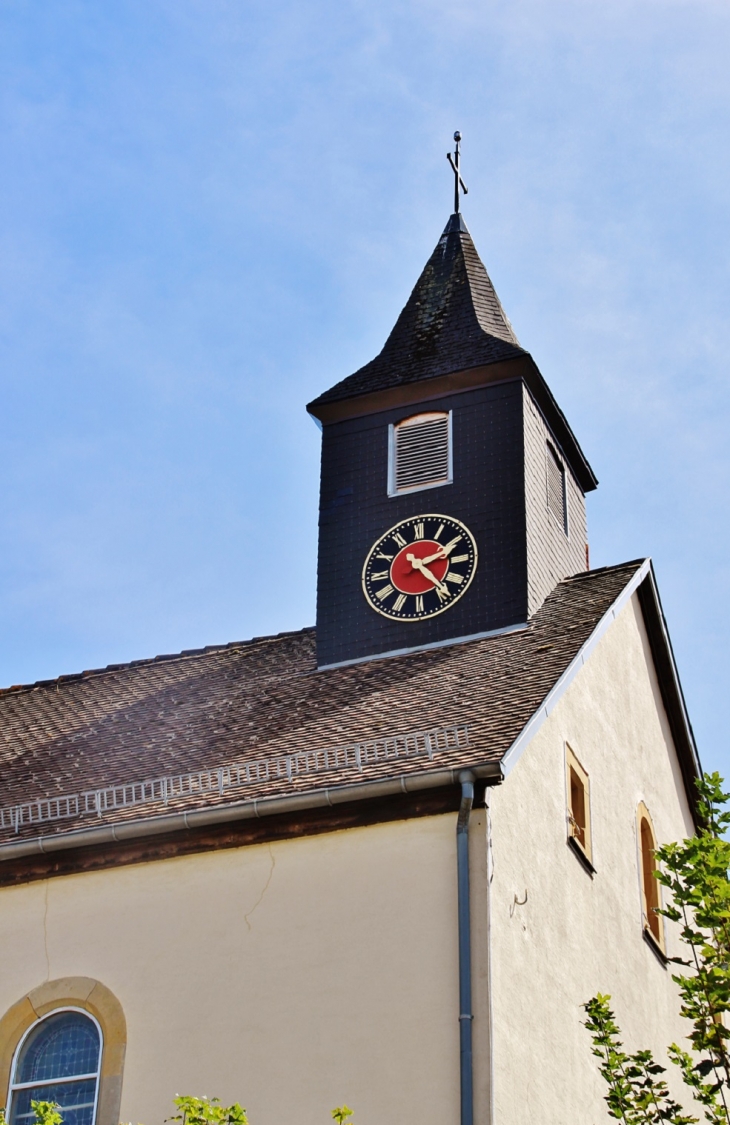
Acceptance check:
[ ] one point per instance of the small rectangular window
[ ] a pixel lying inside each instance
(653, 922)
(556, 495)
(420, 453)
(579, 805)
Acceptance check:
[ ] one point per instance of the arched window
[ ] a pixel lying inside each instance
(58, 1061)
(653, 922)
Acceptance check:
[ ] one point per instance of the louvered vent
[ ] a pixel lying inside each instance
(556, 488)
(421, 452)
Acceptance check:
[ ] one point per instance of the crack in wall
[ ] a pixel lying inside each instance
(45, 930)
(259, 900)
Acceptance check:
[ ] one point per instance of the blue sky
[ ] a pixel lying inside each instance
(212, 210)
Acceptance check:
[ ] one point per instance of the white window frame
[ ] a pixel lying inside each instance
(392, 490)
(13, 1085)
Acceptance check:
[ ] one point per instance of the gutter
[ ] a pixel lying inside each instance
(466, 1016)
(241, 810)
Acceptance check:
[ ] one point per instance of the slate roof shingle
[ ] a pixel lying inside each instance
(453, 320)
(266, 698)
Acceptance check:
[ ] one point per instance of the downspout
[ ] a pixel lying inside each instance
(466, 777)
(490, 1012)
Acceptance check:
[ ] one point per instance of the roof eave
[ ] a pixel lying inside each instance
(644, 585)
(670, 687)
(155, 825)
(467, 379)
(560, 427)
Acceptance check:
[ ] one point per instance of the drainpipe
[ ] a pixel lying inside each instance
(490, 1013)
(466, 777)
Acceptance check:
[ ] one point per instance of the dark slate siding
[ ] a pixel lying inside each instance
(487, 495)
(551, 554)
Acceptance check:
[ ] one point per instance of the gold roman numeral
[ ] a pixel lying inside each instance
(399, 539)
(381, 576)
(388, 558)
(460, 558)
(441, 528)
(457, 579)
(385, 592)
(450, 546)
(419, 531)
(399, 602)
(443, 594)
(419, 603)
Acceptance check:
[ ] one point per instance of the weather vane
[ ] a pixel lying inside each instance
(458, 182)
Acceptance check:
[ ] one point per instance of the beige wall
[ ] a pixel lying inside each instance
(578, 935)
(295, 976)
(291, 977)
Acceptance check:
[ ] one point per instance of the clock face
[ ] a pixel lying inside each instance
(419, 568)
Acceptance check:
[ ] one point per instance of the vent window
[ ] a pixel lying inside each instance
(556, 497)
(420, 453)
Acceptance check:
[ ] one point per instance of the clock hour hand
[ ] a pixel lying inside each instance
(419, 564)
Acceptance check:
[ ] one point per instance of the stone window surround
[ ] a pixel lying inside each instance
(88, 995)
(656, 940)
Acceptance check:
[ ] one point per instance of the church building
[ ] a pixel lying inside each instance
(383, 861)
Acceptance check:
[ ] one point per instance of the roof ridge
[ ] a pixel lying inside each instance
(194, 653)
(582, 575)
(184, 654)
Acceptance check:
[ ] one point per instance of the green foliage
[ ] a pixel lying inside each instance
(636, 1092)
(46, 1113)
(694, 1074)
(695, 872)
(206, 1111)
(191, 1111)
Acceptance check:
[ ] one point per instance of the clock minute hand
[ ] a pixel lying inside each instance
(442, 553)
(418, 564)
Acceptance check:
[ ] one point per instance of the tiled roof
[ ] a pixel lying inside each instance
(265, 699)
(452, 321)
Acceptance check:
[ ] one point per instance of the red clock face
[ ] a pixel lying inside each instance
(405, 573)
(419, 568)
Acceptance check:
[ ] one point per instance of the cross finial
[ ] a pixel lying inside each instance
(458, 182)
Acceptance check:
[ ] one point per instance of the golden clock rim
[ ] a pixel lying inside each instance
(413, 519)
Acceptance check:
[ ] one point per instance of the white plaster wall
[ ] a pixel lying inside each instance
(578, 935)
(290, 977)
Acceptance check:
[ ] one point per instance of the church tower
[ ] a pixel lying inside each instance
(453, 489)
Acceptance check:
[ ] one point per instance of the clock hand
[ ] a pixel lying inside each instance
(418, 564)
(442, 553)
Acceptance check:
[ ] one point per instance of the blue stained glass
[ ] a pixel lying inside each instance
(76, 1100)
(61, 1046)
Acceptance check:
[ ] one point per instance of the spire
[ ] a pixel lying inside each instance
(453, 320)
